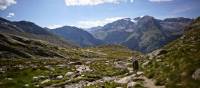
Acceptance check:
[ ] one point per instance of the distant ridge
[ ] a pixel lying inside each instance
(77, 35)
(31, 30)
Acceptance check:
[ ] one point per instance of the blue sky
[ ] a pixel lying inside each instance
(90, 13)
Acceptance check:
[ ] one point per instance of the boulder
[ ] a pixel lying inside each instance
(196, 74)
(157, 53)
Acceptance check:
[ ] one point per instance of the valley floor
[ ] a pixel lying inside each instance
(107, 67)
(74, 75)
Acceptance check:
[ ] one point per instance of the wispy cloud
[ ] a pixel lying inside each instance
(182, 9)
(177, 11)
(93, 2)
(10, 15)
(5, 3)
(160, 0)
(54, 26)
(94, 23)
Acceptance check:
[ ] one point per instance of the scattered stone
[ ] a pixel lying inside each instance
(120, 65)
(193, 50)
(37, 85)
(119, 87)
(125, 79)
(108, 78)
(158, 60)
(9, 79)
(78, 85)
(37, 78)
(59, 77)
(19, 66)
(82, 68)
(88, 62)
(131, 84)
(145, 63)
(61, 65)
(33, 66)
(75, 63)
(196, 74)
(42, 77)
(49, 68)
(140, 73)
(2, 70)
(26, 85)
(45, 81)
(183, 74)
(69, 73)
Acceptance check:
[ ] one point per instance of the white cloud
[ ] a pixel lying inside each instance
(160, 0)
(54, 26)
(5, 3)
(92, 2)
(10, 15)
(95, 23)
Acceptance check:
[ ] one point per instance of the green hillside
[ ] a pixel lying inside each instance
(177, 64)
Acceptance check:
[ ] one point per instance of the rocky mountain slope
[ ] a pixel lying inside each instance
(144, 34)
(31, 30)
(77, 35)
(12, 46)
(177, 65)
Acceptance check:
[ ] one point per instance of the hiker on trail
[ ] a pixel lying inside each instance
(135, 65)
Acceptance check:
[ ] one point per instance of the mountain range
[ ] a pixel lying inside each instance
(143, 34)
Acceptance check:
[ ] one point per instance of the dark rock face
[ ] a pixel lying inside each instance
(144, 34)
(77, 35)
